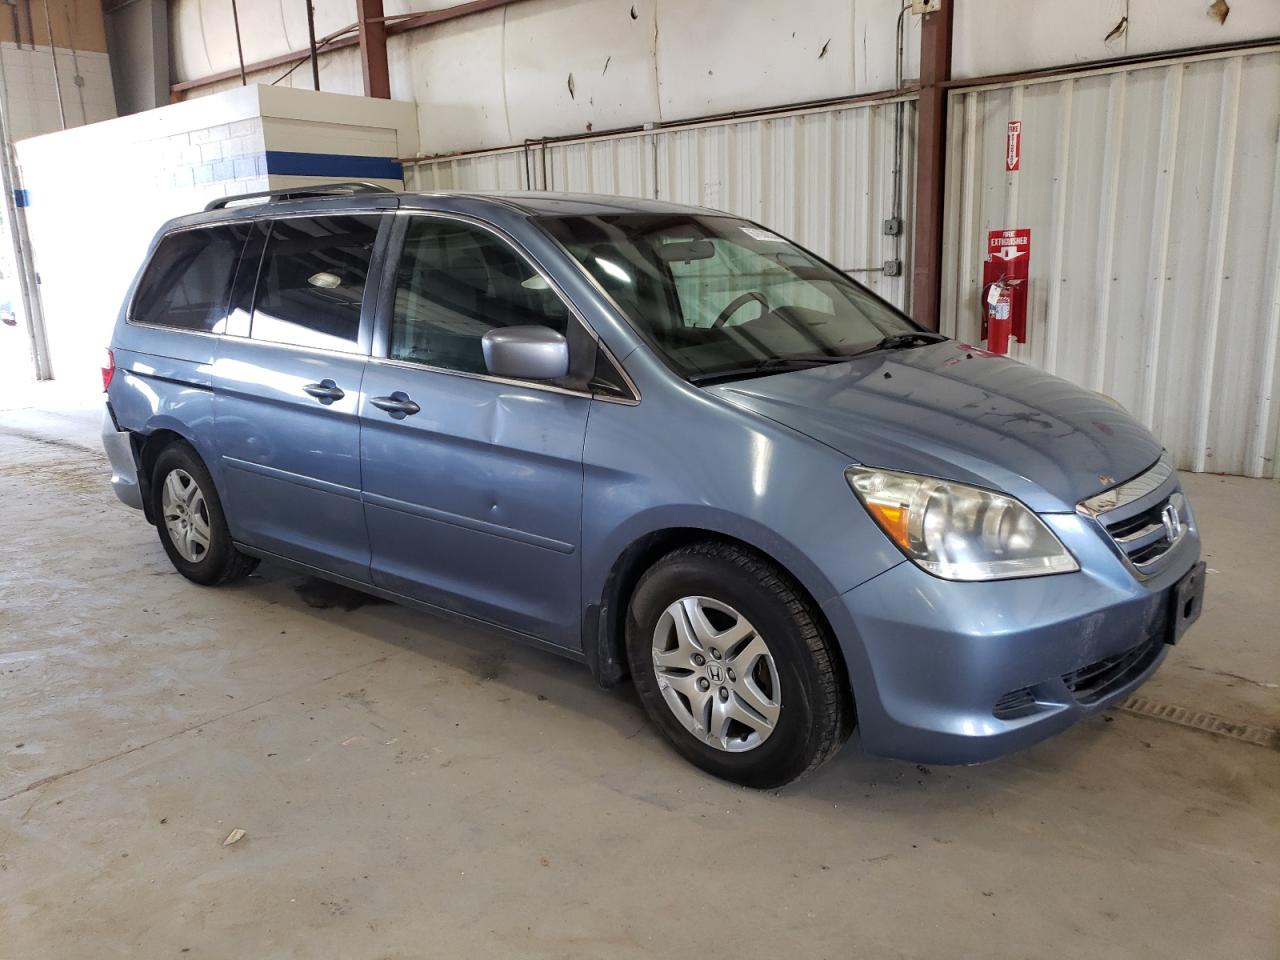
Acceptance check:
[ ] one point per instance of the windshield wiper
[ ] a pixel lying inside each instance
(765, 367)
(901, 341)
(898, 341)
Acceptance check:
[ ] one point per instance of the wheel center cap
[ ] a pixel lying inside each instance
(714, 673)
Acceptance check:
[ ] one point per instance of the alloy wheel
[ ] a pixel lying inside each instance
(716, 674)
(186, 515)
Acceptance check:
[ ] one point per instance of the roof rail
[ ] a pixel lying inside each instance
(346, 189)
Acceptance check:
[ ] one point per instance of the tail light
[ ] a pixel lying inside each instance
(108, 371)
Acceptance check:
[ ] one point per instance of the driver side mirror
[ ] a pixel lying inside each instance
(525, 353)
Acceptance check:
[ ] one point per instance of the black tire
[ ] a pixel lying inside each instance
(221, 562)
(816, 712)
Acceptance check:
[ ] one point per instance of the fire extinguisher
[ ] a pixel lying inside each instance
(997, 300)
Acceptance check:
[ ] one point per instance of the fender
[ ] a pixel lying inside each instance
(710, 522)
(199, 442)
(650, 536)
(145, 401)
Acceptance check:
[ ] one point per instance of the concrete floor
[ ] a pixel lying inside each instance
(410, 788)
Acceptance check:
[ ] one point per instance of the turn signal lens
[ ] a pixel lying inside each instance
(108, 371)
(959, 532)
(892, 519)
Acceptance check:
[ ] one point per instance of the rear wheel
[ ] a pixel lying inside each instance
(190, 521)
(735, 666)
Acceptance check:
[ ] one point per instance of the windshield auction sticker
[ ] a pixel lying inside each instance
(755, 233)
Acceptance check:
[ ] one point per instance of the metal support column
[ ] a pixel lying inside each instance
(372, 26)
(28, 282)
(931, 146)
(235, 21)
(53, 55)
(311, 45)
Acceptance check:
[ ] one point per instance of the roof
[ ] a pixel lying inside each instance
(532, 203)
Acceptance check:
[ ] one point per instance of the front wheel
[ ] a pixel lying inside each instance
(189, 518)
(735, 666)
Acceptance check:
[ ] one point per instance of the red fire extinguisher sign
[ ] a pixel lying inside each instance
(1012, 247)
(1013, 146)
(1008, 264)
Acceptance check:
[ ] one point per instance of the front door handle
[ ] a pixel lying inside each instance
(326, 391)
(398, 405)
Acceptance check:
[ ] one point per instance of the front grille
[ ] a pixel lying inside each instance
(1091, 683)
(1146, 537)
(1144, 517)
(1130, 526)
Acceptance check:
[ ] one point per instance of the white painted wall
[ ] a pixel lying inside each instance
(99, 193)
(1014, 36)
(203, 36)
(29, 90)
(91, 222)
(496, 78)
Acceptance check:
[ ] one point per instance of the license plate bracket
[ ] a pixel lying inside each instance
(1186, 602)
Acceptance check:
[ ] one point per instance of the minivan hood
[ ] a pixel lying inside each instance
(958, 413)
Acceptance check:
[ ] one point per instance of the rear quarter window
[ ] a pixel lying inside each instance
(311, 285)
(188, 281)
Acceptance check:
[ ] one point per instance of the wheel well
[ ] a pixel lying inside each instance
(147, 449)
(605, 628)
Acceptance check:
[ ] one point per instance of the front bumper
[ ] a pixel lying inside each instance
(948, 672)
(124, 466)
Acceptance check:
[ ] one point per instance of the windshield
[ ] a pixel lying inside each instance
(718, 295)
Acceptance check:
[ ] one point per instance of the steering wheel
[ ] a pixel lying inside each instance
(737, 304)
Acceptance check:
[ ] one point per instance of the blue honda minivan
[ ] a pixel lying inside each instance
(660, 440)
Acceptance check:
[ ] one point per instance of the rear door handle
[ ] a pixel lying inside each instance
(326, 391)
(398, 405)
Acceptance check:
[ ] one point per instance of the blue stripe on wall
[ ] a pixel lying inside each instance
(284, 163)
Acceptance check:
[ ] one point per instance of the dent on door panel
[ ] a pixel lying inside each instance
(474, 503)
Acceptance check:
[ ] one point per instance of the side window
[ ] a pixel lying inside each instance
(312, 281)
(189, 278)
(456, 282)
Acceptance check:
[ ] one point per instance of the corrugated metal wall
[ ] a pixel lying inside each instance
(1153, 198)
(822, 177)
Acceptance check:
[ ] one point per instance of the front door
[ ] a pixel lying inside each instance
(286, 396)
(472, 486)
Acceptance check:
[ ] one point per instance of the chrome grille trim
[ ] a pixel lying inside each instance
(1137, 535)
(1143, 518)
(1140, 486)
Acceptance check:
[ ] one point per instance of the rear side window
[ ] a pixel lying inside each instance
(188, 280)
(312, 281)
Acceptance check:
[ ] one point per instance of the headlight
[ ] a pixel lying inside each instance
(959, 532)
